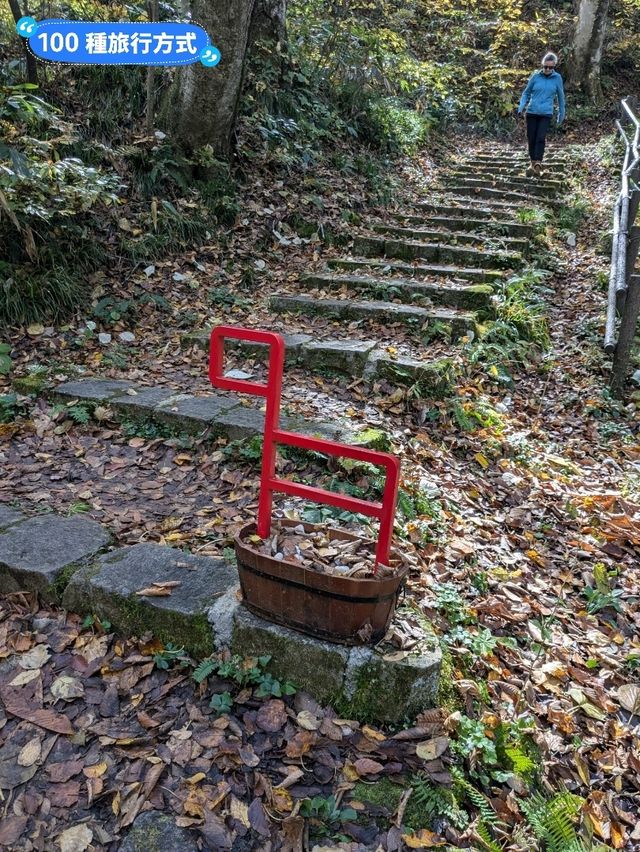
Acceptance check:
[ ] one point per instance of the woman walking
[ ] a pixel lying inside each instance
(537, 102)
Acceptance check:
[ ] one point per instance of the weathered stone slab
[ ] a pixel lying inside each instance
(532, 187)
(154, 831)
(471, 297)
(241, 423)
(460, 223)
(417, 270)
(345, 356)
(108, 588)
(142, 402)
(435, 379)
(38, 553)
(459, 237)
(359, 682)
(438, 252)
(193, 413)
(524, 199)
(8, 516)
(460, 209)
(348, 310)
(93, 390)
(292, 342)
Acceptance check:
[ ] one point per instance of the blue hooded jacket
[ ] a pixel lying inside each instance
(541, 91)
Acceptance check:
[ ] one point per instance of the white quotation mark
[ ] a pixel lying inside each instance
(26, 27)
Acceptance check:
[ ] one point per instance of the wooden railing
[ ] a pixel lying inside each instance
(624, 282)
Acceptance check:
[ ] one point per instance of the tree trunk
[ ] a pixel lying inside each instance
(32, 67)
(202, 104)
(588, 40)
(268, 23)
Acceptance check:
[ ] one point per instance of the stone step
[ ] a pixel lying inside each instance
(218, 414)
(546, 182)
(495, 241)
(487, 192)
(346, 309)
(370, 246)
(474, 297)
(549, 172)
(465, 205)
(461, 223)
(355, 358)
(530, 186)
(516, 156)
(383, 267)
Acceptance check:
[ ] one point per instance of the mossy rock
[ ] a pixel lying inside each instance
(373, 439)
(30, 385)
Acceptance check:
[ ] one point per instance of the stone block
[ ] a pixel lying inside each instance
(193, 413)
(241, 423)
(39, 554)
(154, 831)
(371, 684)
(141, 403)
(344, 356)
(435, 378)
(92, 390)
(8, 517)
(108, 588)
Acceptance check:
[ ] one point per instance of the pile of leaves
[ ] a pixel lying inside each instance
(326, 551)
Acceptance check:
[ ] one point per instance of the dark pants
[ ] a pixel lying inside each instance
(537, 129)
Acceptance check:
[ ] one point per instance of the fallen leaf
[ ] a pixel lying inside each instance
(75, 839)
(424, 839)
(629, 697)
(35, 658)
(67, 688)
(365, 766)
(307, 720)
(431, 749)
(30, 753)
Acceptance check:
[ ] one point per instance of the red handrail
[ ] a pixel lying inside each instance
(273, 435)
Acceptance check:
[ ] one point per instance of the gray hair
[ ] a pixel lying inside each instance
(550, 57)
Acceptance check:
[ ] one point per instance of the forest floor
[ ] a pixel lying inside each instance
(528, 541)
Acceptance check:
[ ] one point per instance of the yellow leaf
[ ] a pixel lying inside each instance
(240, 811)
(196, 779)
(482, 460)
(95, 770)
(372, 734)
(115, 803)
(282, 800)
(424, 839)
(35, 330)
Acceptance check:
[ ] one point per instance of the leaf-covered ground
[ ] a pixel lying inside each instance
(521, 502)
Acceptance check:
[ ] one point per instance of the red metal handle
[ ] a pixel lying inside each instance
(273, 435)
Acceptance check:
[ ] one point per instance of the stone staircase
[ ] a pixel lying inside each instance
(431, 266)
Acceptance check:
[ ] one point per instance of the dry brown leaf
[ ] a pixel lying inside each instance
(30, 753)
(431, 749)
(75, 839)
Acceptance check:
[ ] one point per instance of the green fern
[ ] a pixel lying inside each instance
(521, 763)
(480, 801)
(483, 832)
(438, 802)
(553, 821)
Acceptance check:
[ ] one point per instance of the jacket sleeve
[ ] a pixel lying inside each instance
(526, 94)
(561, 101)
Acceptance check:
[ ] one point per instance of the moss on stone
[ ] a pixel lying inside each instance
(484, 289)
(56, 589)
(31, 384)
(385, 794)
(374, 439)
(191, 632)
(448, 696)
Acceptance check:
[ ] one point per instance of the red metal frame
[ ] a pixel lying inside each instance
(273, 435)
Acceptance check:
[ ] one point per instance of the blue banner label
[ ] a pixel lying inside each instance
(105, 43)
